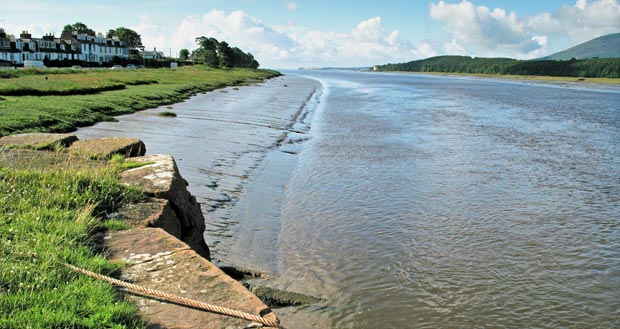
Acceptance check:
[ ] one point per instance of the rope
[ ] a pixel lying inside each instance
(179, 300)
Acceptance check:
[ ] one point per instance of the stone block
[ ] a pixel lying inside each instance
(159, 261)
(39, 141)
(159, 178)
(152, 213)
(108, 146)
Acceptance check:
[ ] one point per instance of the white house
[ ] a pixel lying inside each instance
(97, 48)
(152, 55)
(70, 46)
(7, 55)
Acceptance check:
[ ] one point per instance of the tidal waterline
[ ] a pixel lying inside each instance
(442, 202)
(418, 201)
(219, 138)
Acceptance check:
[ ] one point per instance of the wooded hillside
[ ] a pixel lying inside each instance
(587, 68)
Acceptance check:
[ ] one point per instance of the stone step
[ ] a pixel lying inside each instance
(157, 260)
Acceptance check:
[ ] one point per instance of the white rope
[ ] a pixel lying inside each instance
(179, 300)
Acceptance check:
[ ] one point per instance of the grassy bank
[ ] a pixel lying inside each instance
(52, 208)
(62, 100)
(522, 77)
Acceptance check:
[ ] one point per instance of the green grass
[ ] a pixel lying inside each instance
(53, 205)
(69, 99)
(6, 74)
(49, 215)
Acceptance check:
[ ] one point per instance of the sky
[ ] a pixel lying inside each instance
(285, 34)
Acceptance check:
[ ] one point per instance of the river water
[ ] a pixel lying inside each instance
(409, 201)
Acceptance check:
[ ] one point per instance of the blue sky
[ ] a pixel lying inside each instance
(294, 33)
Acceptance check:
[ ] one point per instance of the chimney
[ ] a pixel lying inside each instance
(25, 35)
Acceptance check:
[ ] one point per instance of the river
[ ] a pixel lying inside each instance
(409, 201)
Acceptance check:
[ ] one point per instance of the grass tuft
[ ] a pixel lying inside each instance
(49, 215)
(114, 225)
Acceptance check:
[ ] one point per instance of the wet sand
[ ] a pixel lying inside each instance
(237, 148)
(219, 140)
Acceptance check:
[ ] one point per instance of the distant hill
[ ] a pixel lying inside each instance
(607, 46)
(597, 58)
(588, 68)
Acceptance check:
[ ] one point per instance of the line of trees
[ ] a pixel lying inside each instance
(586, 68)
(219, 54)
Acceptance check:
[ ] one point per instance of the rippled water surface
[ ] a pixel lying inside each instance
(411, 201)
(433, 202)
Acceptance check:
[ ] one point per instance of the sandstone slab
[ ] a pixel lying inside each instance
(108, 146)
(159, 261)
(152, 213)
(159, 178)
(38, 141)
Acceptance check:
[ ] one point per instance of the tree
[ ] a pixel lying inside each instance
(78, 27)
(131, 37)
(220, 54)
(184, 54)
(251, 62)
(224, 55)
(241, 59)
(207, 51)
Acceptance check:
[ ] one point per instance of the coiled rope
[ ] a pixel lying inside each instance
(179, 300)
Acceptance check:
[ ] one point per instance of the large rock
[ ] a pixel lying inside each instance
(159, 178)
(152, 213)
(159, 261)
(39, 141)
(108, 146)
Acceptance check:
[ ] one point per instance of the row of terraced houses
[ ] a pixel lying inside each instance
(90, 50)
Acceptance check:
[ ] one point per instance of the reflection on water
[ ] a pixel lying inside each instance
(445, 202)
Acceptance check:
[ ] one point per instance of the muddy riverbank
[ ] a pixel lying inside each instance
(221, 140)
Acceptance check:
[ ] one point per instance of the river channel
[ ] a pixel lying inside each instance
(408, 201)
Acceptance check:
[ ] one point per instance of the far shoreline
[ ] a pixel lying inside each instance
(524, 78)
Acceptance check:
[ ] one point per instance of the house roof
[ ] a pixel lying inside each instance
(151, 53)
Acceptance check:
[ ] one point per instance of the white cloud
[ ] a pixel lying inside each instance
(238, 29)
(581, 22)
(454, 48)
(292, 5)
(392, 39)
(581, 4)
(35, 29)
(370, 30)
(367, 43)
(153, 33)
(423, 50)
(541, 39)
(480, 31)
